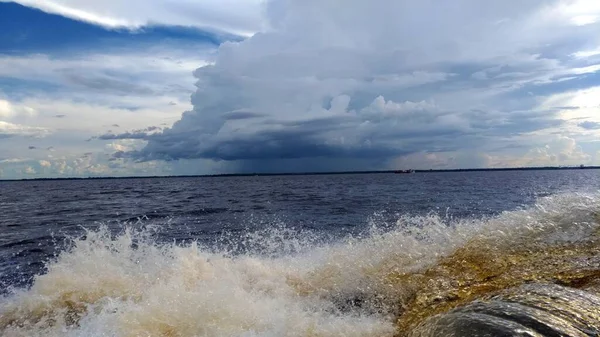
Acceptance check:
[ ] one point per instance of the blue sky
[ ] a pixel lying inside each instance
(159, 87)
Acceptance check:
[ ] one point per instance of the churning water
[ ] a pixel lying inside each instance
(476, 254)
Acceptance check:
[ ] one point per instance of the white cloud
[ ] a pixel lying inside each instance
(380, 79)
(10, 129)
(579, 12)
(596, 160)
(234, 16)
(5, 109)
(425, 161)
(69, 98)
(557, 151)
(28, 170)
(381, 106)
(96, 118)
(576, 104)
(157, 72)
(9, 110)
(62, 141)
(96, 91)
(561, 151)
(587, 53)
(15, 160)
(123, 145)
(91, 95)
(45, 163)
(91, 164)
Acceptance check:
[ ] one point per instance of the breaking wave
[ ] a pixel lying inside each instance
(390, 282)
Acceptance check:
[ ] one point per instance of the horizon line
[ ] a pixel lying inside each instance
(309, 173)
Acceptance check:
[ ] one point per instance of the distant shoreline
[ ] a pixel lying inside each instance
(549, 168)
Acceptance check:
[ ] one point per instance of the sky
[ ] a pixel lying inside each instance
(184, 87)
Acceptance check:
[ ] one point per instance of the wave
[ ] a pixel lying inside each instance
(528, 310)
(391, 281)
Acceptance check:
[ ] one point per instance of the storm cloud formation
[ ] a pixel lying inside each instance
(372, 81)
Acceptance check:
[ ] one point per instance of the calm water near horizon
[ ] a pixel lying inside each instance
(264, 218)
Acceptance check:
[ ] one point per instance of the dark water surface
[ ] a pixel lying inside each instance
(36, 216)
(31, 212)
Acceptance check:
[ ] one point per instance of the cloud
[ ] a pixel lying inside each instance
(589, 125)
(106, 83)
(367, 85)
(89, 164)
(12, 130)
(560, 151)
(372, 82)
(63, 138)
(29, 170)
(135, 134)
(587, 53)
(29, 33)
(126, 135)
(93, 76)
(233, 16)
(9, 110)
(14, 160)
(5, 109)
(233, 115)
(155, 72)
(331, 134)
(446, 160)
(87, 118)
(556, 151)
(37, 83)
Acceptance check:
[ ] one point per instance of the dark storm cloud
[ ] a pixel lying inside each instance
(370, 133)
(284, 144)
(312, 164)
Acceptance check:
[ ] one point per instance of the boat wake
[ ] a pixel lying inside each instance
(423, 276)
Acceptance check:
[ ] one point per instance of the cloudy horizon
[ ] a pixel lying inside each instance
(206, 87)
